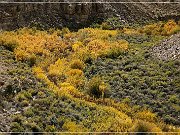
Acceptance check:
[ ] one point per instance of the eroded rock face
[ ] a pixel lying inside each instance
(14, 15)
(79, 12)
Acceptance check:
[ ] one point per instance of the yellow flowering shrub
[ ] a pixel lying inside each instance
(96, 47)
(67, 88)
(91, 33)
(143, 126)
(146, 115)
(171, 27)
(130, 31)
(77, 45)
(58, 68)
(30, 42)
(116, 48)
(161, 28)
(71, 126)
(77, 64)
(76, 78)
(40, 74)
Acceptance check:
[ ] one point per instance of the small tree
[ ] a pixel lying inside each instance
(97, 88)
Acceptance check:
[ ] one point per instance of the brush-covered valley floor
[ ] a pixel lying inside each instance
(92, 80)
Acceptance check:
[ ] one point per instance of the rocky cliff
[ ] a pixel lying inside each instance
(18, 13)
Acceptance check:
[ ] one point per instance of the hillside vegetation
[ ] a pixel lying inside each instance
(95, 79)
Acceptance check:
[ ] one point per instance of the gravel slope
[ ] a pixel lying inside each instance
(168, 48)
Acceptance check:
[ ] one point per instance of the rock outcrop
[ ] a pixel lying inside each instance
(76, 14)
(15, 15)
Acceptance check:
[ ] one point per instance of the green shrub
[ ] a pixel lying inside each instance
(173, 99)
(31, 61)
(113, 23)
(33, 127)
(17, 118)
(20, 97)
(13, 87)
(105, 26)
(16, 127)
(114, 53)
(97, 88)
(24, 103)
(10, 46)
(95, 25)
(28, 112)
(50, 128)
